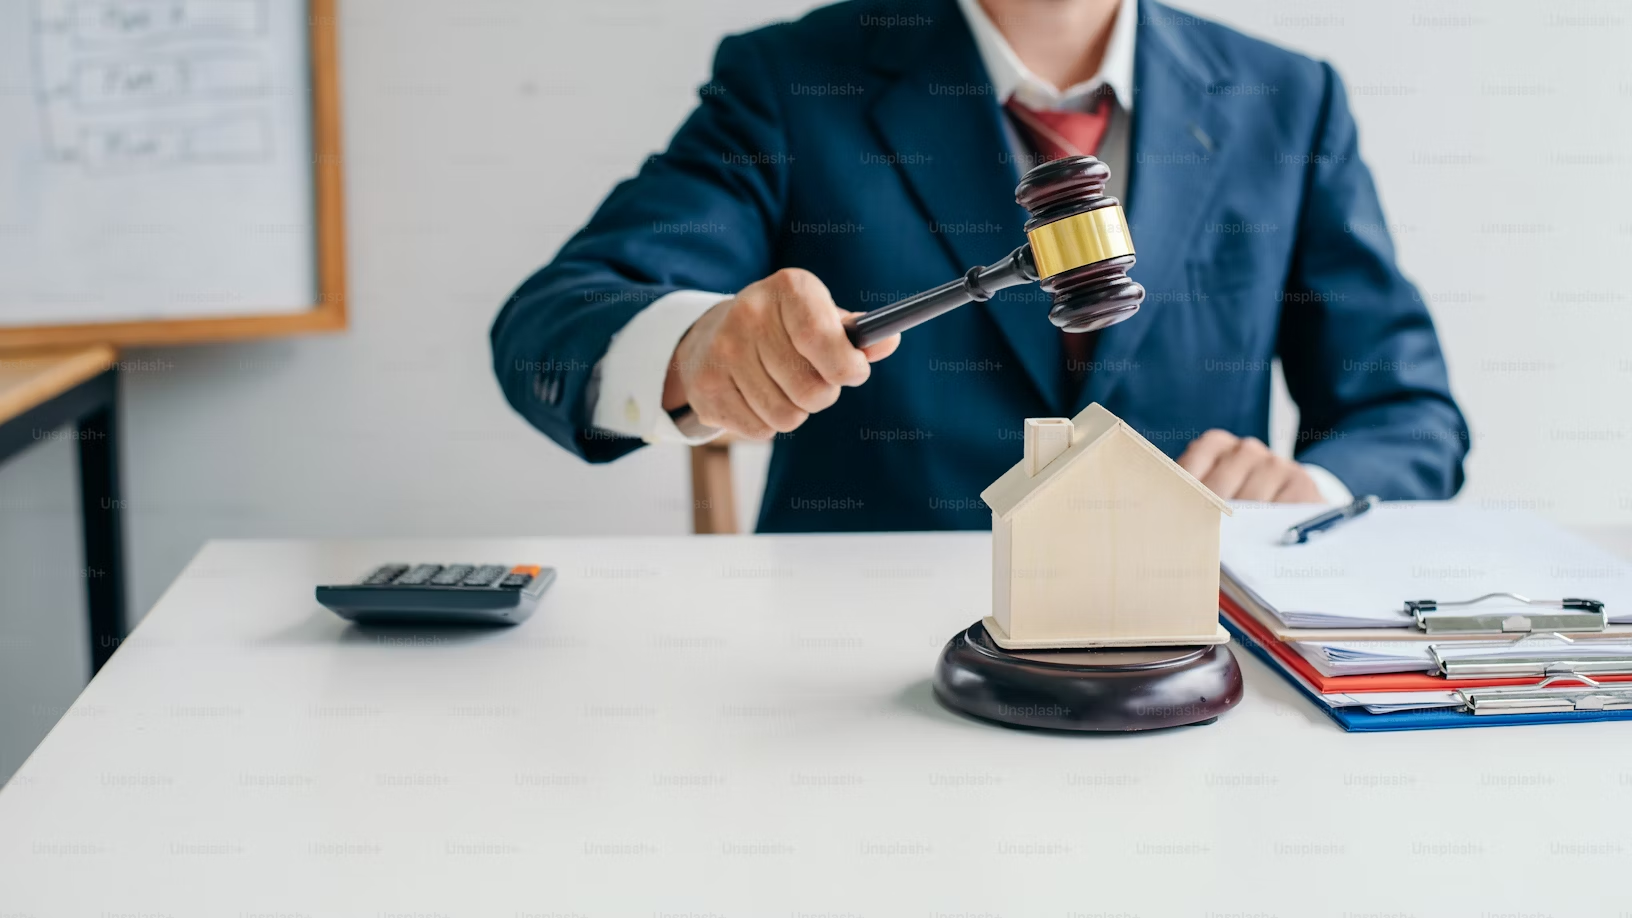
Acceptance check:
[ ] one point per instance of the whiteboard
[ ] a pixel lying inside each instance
(156, 160)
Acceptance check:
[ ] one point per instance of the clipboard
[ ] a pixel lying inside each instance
(1532, 658)
(1253, 631)
(1438, 556)
(1359, 720)
(1283, 632)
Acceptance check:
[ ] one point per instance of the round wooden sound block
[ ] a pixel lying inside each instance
(1095, 691)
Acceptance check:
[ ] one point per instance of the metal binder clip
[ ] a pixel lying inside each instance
(1572, 615)
(1454, 662)
(1538, 699)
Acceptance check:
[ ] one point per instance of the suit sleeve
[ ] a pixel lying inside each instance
(702, 215)
(1357, 345)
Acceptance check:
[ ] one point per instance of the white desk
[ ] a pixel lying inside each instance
(741, 727)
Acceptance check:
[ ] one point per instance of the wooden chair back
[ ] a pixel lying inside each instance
(713, 498)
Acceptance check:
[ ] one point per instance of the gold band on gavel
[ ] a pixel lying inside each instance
(1080, 239)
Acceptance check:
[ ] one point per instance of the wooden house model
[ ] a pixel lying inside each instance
(1101, 540)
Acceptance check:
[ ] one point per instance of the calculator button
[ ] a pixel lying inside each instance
(419, 575)
(452, 574)
(515, 581)
(384, 574)
(483, 576)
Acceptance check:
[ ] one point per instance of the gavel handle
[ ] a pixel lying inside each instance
(976, 286)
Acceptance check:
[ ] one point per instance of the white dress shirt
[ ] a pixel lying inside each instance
(629, 399)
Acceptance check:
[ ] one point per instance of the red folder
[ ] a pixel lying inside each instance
(1381, 682)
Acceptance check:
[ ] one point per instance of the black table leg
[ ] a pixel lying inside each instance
(103, 510)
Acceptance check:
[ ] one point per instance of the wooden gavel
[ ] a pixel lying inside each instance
(1077, 248)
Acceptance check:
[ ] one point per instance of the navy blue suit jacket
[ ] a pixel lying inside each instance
(864, 144)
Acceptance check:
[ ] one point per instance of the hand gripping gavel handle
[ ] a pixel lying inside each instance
(976, 286)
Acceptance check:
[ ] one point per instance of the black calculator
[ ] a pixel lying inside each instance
(440, 594)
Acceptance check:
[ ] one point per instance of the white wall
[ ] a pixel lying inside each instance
(480, 132)
(1499, 136)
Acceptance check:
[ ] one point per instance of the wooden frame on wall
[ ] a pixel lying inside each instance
(329, 312)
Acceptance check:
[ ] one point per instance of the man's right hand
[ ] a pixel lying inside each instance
(766, 359)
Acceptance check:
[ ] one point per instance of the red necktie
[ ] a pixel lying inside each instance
(1054, 134)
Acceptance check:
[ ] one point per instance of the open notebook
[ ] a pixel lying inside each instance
(1361, 573)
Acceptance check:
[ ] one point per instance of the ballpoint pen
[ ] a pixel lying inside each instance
(1301, 532)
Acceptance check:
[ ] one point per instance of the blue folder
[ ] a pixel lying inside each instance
(1359, 720)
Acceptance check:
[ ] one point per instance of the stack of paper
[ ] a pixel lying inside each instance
(1330, 614)
(1355, 658)
(1360, 573)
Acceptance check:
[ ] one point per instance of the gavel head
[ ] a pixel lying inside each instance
(1079, 243)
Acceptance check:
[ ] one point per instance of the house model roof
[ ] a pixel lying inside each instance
(1091, 428)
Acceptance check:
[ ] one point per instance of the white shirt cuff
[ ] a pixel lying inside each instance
(1331, 490)
(637, 362)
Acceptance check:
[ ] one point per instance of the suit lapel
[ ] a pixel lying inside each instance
(1176, 168)
(948, 142)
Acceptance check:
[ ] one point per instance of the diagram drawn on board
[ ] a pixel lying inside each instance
(141, 84)
(161, 163)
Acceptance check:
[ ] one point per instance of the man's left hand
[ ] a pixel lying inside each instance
(1238, 468)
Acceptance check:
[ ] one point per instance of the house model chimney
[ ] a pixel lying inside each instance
(1046, 440)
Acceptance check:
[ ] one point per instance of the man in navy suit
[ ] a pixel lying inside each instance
(871, 149)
